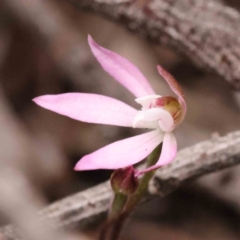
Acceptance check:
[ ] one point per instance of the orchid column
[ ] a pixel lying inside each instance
(161, 115)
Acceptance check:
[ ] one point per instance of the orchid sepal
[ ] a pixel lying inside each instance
(159, 113)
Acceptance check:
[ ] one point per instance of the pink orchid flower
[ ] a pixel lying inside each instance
(162, 114)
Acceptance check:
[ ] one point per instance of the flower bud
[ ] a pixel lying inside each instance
(124, 181)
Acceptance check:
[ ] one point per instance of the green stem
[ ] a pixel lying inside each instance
(136, 197)
(115, 212)
(117, 206)
(116, 230)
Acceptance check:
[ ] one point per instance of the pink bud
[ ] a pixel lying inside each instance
(124, 181)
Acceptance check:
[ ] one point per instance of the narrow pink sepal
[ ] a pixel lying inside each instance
(91, 108)
(122, 70)
(122, 153)
(176, 88)
(169, 151)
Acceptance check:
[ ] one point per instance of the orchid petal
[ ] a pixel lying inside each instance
(176, 88)
(169, 151)
(165, 119)
(122, 70)
(122, 153)
(140, 122)
(154, 118)
(147, 100)
(91, 108)
(138, 118)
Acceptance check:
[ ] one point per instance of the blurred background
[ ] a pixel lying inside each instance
(40, 56)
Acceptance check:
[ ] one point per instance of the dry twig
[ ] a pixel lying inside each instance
(62, 40)
(18, 201)
(203, 158)
(207, 32)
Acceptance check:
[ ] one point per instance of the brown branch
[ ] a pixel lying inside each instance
(207, 32)
(206, 157)
(19, 201)
(203, 158)
(57, 33)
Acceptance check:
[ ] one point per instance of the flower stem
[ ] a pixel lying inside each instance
(136, 197)
(117, 227)
(117, 205)
(115, 212)
(133, 199)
